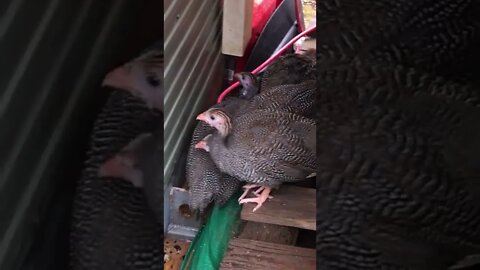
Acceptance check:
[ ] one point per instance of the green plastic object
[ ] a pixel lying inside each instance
(209, 245)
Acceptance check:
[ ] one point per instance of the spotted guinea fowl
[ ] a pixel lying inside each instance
(140, 162)
(206, 183)
(112, 226)
(288, 69)
(261, 147)
(291, 98)
(142, 76)
(397, 169)
(288, 82)
(217, 186)
(296, 98)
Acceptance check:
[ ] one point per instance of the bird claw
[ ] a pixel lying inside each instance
(258, 194)
(247, 190)
(260, 199)
(255, 200)
(244, 194)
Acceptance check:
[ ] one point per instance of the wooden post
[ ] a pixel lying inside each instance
(237, 26)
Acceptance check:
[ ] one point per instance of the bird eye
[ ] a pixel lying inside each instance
(153, 80)
(212, 117)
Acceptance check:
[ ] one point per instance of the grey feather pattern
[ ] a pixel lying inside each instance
(397, 178)
(288, 84)
(112, 227)
(206, 183)
(264, 148)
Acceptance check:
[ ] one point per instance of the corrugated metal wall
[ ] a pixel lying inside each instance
(53, 55)
(193, 71)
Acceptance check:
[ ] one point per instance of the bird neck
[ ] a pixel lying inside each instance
(225, 128)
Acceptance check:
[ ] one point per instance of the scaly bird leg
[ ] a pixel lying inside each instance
(259, 200)
(257, 192)
(247, 190)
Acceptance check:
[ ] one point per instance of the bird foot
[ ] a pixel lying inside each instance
(258, 192)
(247, 190)
(259, 200)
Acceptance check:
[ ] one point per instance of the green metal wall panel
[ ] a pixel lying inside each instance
(193, 70)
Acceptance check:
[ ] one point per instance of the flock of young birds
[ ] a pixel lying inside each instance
(397, 136)
(263, 137)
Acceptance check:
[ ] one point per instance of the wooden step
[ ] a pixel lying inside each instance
(268, 233)
(291, 206)
(243, 254)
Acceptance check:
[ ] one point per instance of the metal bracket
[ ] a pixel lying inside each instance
(183, 224)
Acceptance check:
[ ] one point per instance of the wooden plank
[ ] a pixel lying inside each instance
(291, 206)
(257, 255)
(237, 26)
(269, 233)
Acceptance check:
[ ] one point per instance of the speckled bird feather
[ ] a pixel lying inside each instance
(112, 226)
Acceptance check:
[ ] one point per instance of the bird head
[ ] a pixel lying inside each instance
(306, 46)
(217, 119)
(143, 77)
(249, 84)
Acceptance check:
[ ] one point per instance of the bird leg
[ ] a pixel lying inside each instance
(257, 192)
(259, 200)
(247, 189)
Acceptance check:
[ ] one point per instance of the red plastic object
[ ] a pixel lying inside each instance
(262, 11)
(269, 60)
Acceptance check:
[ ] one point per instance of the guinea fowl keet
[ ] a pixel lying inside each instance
(279, 91)
(261, 147)
(206, 183)
(293, 98)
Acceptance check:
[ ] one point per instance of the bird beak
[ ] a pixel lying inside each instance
(118, 78)
(202, 145)
(202, 117)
